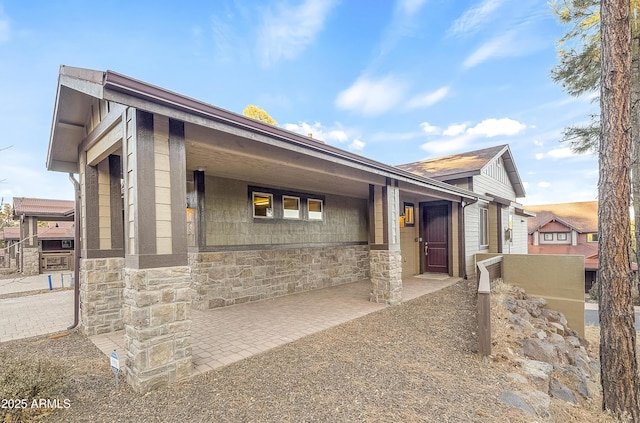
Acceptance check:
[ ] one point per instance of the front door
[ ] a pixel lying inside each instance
(435, 237)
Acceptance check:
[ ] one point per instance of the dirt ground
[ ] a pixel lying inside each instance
(413, 362)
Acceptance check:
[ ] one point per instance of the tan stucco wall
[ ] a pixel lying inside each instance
(559, 279)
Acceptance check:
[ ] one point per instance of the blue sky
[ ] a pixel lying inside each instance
(396, 81)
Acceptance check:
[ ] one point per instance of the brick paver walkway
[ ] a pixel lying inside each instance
(32, 315)
(224, 335)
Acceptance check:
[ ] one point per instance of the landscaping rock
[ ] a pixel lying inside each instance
(560, 391)
(513, 399)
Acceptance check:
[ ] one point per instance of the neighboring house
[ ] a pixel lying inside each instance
(568, 228)
(33, 249)
(496, 223)
(185, 204)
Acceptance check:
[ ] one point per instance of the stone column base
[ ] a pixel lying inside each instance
(101, 295)
(157, 323)
(30, 261)
(386, 276)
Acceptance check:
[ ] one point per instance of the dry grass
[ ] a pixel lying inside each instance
(416, 362)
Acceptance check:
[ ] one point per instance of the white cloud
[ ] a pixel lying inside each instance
(447, 145)
(320, 133)
(538, 143)
(289, 31)
(372, 96)
(544, 184)
(410, 7)
(560, 153)
(525, 184)
(429, 129)
(539, 156)
(474, 17)
(455, 129)
(500, 46)
(458, 136)
(357, 145)
(428, 99)
(494, 127)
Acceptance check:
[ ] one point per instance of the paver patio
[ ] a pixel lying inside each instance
(224, 335)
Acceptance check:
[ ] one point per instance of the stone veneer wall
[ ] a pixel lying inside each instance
(386, 276)
(101, 295)
(30, 261)
(157, 321)
(232, 277)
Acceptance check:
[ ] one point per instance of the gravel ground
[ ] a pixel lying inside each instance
(413, 362)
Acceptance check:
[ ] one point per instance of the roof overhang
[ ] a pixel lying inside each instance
(78, 88)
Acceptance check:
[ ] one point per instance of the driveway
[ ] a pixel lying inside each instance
(591, 316)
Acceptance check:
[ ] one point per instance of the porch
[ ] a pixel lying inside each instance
(224, 335)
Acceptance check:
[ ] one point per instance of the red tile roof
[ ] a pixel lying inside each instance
(581, 216)
(42, 207)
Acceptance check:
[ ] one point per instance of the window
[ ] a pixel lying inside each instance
(409, 218)
(67, 243)
(484, 227)
(262, 205)
(548, 237)
(593, 237)
(315, 209)
(562, 236)
(291, 206)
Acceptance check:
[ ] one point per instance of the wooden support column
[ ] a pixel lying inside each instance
(157, 279)
(385, 258)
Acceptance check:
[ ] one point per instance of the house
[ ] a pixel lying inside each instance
(570, 229)
(496, 223)
(33, 248)
(183, 204)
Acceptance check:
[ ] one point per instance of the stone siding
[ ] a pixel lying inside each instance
(157, 322)
(30, 261)
(386, 276)
(231, 277)
(101, 295)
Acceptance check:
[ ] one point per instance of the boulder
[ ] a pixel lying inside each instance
(560, 391)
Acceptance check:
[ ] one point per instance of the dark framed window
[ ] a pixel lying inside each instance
(593, 237)
(562, 236)
(548, 237)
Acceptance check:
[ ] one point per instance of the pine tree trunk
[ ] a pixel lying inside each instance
(617, 332)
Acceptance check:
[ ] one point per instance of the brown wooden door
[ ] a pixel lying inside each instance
(435, 237)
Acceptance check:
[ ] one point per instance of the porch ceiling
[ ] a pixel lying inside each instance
(236, 157)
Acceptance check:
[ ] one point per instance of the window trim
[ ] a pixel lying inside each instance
(309, 215)
(544, 236)
(483, 229)
(562, 236)
(590, 237)
(409, 217)
(298, 210)
(253, 204)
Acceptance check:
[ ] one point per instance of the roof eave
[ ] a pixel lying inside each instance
(123, 85)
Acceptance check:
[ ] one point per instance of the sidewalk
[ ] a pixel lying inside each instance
(21, 283)
(33, 315)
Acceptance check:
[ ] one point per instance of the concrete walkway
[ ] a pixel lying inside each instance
(32, 315)
(21, 283)
(224, 335)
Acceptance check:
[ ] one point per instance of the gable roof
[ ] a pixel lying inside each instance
(467, 164)
(78, 88)
(43, 208)
(580, 216)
